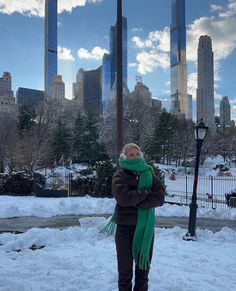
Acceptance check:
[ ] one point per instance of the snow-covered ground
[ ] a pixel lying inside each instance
(11, 206)
(82, 259)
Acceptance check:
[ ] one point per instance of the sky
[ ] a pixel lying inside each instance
(83, 37)
(81, 258)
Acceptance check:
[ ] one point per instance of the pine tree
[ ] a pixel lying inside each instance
(78, 132)
(161, 142)
(59, 144)
(90, 149)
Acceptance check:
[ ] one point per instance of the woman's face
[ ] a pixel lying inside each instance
(133, 153)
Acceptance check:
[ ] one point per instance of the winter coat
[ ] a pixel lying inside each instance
(128, 197)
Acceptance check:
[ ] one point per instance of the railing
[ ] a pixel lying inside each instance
(211, 190)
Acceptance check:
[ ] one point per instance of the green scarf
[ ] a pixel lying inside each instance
(146, 216)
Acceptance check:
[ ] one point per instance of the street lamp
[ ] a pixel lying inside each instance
(200, 132)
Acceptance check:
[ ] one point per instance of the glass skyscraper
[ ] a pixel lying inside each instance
(178, 66)
(113, 46)
(50, 58)
(106, 80)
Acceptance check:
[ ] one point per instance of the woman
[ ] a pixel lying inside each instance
(137, 191)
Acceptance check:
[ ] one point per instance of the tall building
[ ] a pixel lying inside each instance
(7, 100)
(78, 89)
(205, 83)
(58, 88)
(50, 50)
(26, 96)
(141, 94)
(178, 65)
(5, 85)
(113, 46)
(106, 80)
(109, 65)
(224, 112)
(88, 90)
(190, 107)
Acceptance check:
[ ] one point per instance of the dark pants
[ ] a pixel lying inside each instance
(124, 239)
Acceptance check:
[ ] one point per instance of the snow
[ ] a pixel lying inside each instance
(81, 258)
(16, 206)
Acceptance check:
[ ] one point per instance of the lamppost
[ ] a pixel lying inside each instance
(200, 132)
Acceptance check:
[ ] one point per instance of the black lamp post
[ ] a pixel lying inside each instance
(200, 132)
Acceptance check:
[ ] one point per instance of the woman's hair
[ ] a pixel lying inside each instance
(127, 147)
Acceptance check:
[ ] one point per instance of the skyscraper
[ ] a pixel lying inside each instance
(106, 80)
(88, 91)
(109, 65)
(50, 50)
(205, 83)
(7, 101)
(113, 32)
(178, 66)
(224, 112)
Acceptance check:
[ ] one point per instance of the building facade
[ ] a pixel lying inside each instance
(87, 91)
(113, 46)
(205, 83)
(7, 101)
(225, 115)
(109, 65)
(26, 96)
(6, 85)
(106, 80)
(50, 50)
(178, 65)
(58, 88)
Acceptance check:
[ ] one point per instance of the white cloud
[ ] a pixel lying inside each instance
(216, 7)
(65, 54)
(221, 29)
(132, 65)
(192, 84)
(154, 51)
(96, 53)
(36, 7)
(148, 61)
(136, 29)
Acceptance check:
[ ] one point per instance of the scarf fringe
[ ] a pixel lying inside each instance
(142, 261)
(110, 227)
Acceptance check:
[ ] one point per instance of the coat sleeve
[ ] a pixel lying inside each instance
(156, 196)
(123, 195)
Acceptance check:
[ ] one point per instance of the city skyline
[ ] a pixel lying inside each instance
(83, 34)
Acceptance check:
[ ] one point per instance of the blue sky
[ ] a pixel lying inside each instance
(83, 37)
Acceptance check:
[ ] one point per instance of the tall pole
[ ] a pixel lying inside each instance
(119, 79)
(193, 205)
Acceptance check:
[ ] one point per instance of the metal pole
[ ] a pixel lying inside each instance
(193, 205)
(119, 78)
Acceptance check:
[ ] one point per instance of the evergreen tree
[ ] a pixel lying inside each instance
(90, 149)
(160, 145)
(60, 142)
(78, 132)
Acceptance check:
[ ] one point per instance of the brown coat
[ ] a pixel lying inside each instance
(128, 197)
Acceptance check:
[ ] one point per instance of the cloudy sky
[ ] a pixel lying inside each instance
(83, 37)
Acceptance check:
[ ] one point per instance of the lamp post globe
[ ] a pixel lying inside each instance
(200, 132)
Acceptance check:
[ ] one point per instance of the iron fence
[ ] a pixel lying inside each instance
(211, 190)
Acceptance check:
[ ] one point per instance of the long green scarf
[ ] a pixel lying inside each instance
(146, 216)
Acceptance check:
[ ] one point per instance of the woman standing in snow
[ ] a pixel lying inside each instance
(137, 191)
